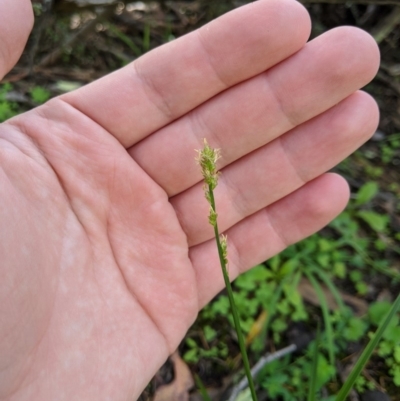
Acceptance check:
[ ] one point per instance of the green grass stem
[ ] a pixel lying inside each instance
(369, 349)
(235, 314)
(207, 159)
(312, 391)
(326, 316)
(201, 388)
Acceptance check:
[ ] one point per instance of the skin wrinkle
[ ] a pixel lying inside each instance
(292, 121)
(164, 107)
(197, 121)
(21, 129)
(217, 74)
(281, 141)
(121, 270)
(236, 196)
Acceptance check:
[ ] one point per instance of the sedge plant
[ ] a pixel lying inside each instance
(207, 159)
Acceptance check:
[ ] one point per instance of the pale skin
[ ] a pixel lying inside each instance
(106, 255)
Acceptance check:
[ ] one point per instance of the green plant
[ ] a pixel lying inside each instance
(217, 350)
(207, 159)
(39, 95)
(297, 378)
(113, 29)
(389, 347)
(390, 148)
(372, 345)
(268, 299)
(7, 109)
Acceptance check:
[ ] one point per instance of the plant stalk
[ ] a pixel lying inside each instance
(232, 301)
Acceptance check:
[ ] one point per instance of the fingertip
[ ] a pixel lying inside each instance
(360, 49)
(295, 16)
(317, 203)
(356, 118)
(16, 22)
(370, 109)
(338, 190)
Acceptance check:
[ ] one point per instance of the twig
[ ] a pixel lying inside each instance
(41, 24)
(384, 28)
(72, 39)
(381, 76)
(265, 360)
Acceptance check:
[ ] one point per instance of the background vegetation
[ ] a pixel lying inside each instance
(344, 277)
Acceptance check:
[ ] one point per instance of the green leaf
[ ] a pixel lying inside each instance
(312, 390)
(283, 307)
(274, 263)
(40, 95)
(362, 361)
(356, 276)
(288, 267)
(396, 353)
(378, 222)
(377, 311)
(325, 371)
(393, 331)
(209, 333)
(325, 313)
(191, 356)
(324, 260)
(275, 384)
(279, 325)
(385, 348)
(396, 375)
(366, 193)
(339, 269)
(355, 330)
(191, 343)
(362, 288)
(294, 297)
(201, 388)
(249, 281)
(221, 305)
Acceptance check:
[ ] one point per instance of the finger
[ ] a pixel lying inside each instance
(16, 20)
(279, 168)
(269, 231)
(175, 78)
(242, 119)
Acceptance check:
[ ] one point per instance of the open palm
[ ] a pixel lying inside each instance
(106, 253)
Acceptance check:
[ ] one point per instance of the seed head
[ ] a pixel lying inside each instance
(224, 246)
(207, 159)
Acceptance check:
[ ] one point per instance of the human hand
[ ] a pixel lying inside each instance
(106, 252)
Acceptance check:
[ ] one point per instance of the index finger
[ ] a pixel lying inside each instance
(170, 81)
(16, 20)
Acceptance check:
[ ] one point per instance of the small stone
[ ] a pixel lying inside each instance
(378, 136)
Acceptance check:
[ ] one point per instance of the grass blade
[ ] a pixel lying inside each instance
(312, 391)
(332, 288)
(272, 307)
(201, 388)
(369, 349)
(325, 314)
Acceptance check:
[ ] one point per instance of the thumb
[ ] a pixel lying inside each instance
(16, 21)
